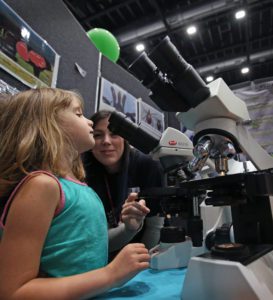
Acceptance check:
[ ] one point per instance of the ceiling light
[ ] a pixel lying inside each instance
(209, 78)
(25, 33)
(191, 30)
(140, 47)
(240, 14)
(245, 70)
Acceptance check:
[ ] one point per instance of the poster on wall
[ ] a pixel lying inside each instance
(151, 118)
(5, 88)
(23, 53)
(113, 97)
(259, 100)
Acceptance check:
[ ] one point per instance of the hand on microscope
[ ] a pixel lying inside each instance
(134, 212)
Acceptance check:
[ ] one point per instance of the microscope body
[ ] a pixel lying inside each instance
(174, 150)
(224, 116)
(243, 268)
(175, 248)
(234, 270)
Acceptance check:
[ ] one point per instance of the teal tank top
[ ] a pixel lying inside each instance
(77, 240)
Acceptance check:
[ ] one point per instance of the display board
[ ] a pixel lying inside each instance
(78, 66)
(258, 97)
(23, 53)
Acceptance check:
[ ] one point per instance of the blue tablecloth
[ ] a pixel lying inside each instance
(150, 284)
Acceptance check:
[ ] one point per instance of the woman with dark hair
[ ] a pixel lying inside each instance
(113, 168)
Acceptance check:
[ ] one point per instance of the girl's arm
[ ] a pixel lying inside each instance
(26, 227)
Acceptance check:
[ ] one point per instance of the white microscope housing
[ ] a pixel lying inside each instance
(222, 119)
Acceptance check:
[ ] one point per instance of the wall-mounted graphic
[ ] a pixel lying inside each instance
(5, 88)
(23, 53)
(114, 97)
(151, 117)
(258, 97)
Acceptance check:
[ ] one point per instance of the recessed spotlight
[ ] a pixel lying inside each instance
(209, 78)
(191, 30)
(240, 14)
(140, 47)
(245, 70)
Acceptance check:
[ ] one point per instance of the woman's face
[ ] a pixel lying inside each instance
(109, 147)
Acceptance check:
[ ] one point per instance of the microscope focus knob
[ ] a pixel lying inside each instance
(230, 250)
(172, 234)
(220, 236)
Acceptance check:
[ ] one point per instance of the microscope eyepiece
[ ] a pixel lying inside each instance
(174, 84)
(144, 69)
(168, 59)
(133, 133)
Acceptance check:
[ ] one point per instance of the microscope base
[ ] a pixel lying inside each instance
(173, 255)
(214, 279)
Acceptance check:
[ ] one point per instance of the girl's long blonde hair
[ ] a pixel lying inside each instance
(32, 138)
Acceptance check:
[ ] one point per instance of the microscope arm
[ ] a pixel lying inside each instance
(168, 76)
(241, 138)
(224, 114)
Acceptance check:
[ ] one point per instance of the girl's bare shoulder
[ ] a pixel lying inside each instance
(43, 183)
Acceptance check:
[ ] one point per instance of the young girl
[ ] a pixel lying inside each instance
(54, 231)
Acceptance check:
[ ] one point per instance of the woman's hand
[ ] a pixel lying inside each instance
(133, 212)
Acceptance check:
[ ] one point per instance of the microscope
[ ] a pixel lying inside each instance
(181, 237)
(232, 269)
(174, 150)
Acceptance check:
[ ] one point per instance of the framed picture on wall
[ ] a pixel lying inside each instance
(5, 88)
(151, 118)
(23, 53)
(113, 97)
(258, 97)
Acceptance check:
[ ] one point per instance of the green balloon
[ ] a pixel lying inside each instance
(105, 42)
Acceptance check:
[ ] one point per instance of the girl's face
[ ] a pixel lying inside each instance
(109, 147)
(79, 129)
